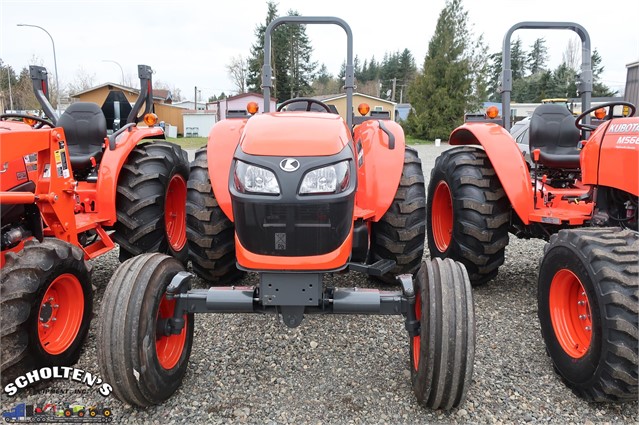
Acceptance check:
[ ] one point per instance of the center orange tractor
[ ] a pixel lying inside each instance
(581, 194)
(294, 195)
(68, 192)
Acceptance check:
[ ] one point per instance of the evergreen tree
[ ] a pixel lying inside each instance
(256, 59)
(293, 70)
(599, 89)
(442, 92)
(494, 80)
(517, 59)
(538, 56)
(300, 72)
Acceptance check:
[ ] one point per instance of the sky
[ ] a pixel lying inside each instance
(189, 43)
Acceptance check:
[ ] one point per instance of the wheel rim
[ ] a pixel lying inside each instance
(60, 314)
(417, 339)
(175, 212)
(570, 313)
(442, 216)
(169, 348)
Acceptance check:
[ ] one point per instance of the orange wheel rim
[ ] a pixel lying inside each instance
(442, 216)
(60, 314)
(417, 339)
(570, 313)
(169, 348)
(175, 212)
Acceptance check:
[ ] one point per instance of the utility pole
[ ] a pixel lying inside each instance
(394, 85)
(195, 99)
(10, 95)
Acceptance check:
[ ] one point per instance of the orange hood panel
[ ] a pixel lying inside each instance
(295, 134)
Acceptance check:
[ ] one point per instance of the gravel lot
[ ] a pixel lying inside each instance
(355, 369)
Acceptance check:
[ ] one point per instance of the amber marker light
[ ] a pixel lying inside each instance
(150, 119)
(252, 108)
(600, 113)
(29, 121)
(492, 112)
(363, 109)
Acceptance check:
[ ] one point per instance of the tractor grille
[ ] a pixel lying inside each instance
(292, 230)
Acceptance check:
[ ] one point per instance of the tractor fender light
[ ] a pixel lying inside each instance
(492, 112)
(150, 119)
(363, 109)
(600, 113)
(252, 108)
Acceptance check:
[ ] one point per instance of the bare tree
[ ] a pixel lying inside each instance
(82, 80)
(176, 93)
(572, 55)
(237, 70)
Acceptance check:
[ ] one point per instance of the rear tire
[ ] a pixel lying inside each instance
(442, 354)
(468, 213)
(46, 302)
(400, 234)
(589, 279)
(143, 368)
(211, 234)
(151, 201)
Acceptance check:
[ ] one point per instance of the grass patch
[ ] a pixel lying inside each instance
(188, 142)
(415, 141)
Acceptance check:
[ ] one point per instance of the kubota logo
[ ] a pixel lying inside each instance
(289, 164)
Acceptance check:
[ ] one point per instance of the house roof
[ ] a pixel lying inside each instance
(241, 95)
(159, 94)
(328, 97)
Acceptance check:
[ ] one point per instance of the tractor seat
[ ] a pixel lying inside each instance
(84, 125)
(553, 132)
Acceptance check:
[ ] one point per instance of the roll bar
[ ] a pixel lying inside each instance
(585, 80)
(146, 95)
(267, 70)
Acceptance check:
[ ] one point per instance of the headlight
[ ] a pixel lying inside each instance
(331, 179)
(250, 178)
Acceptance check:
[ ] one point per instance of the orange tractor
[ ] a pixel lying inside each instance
(294, 195)
(68, 192)
(581, 194)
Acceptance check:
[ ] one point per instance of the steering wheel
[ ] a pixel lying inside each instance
(41, 121)
(308, 101)
(609, 105)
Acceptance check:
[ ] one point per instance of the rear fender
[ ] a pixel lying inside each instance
(507, 160)
(379, 168)
(111, 164)
(223, 140)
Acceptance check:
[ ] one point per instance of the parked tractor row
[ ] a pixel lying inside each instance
(299, 193)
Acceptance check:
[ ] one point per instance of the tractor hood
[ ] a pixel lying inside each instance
(294, 134)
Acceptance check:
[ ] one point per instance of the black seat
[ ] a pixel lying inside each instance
(553, 132)
(84, 125)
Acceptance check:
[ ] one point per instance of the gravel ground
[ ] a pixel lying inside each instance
(355, 369)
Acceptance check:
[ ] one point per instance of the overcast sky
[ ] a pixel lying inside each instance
(188, 43)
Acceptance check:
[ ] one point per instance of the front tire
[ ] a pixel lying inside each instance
(143, 367)
(151, 201)
(442, 353)
(46, 302)
(400, 234)
(468, 213)
(588, 311)
(211, 234)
